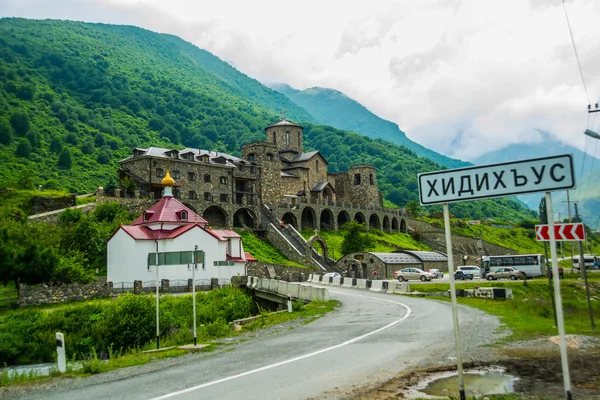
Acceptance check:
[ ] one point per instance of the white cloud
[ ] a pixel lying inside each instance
(462, 77)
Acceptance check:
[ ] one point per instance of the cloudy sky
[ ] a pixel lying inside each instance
(462, 77)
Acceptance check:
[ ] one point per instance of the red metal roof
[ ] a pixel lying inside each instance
(168, 209)
(249, 257)
(144, 233)
(223, 234)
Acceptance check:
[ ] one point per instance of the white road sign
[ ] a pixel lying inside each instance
(505, 179)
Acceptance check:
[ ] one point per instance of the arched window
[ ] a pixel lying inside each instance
(184, 216)
(287, 138)
(371, 180)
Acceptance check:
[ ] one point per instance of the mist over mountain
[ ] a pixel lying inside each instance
(331, 107)
(587, 175)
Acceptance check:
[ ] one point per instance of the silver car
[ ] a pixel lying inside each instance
(504, 272)
(435, 273)
(412, 273)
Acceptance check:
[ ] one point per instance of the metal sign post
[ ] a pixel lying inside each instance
(558, 299)
(498, 180)
(157, 317)
(461, 385)
(194, 289)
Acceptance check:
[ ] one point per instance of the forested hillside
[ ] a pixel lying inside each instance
(75, 98)
(331, 107)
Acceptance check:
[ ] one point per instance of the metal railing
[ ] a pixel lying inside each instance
(122, 287)
(178, 286)
(149, 286)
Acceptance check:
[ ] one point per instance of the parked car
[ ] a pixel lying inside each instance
(469, 270)
(435, 273)
(331, 275)
(461, 276)
(504, 272)
(412, 273)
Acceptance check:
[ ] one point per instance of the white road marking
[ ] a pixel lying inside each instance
(291, 360)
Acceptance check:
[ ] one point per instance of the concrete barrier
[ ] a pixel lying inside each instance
(316, 278)
(398, 287)
(376, 286)
(347, 282)
(337, 281)
(304, 292)
(361, 283)
(319, 294)
(294, 290)
(490, 293)
(309, 277)
(262, 283)
(282, 288)
(273, 285)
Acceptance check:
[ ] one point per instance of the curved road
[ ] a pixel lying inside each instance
(368, 339)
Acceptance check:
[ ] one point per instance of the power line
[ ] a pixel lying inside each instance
(576, 55)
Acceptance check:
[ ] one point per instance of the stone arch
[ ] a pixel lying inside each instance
(309, 218)
(290, 219)
(327, 221)
(374, 222)
(386, 224)
(191, 207)
(216, 217)
(311, 242)
(394, 224)
(403, 227)
(353, 268)
(360, 218)
(244, 218)
(342, 218)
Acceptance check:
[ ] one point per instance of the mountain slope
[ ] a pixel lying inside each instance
(587, 171)
(75, 98)
(331, 107)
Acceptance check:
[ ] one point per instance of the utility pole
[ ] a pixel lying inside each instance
(584, 274)
(569, 211)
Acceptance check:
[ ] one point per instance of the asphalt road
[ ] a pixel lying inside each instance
(369, 339)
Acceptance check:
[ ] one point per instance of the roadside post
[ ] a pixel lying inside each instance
(60, 350)
(159, 259)
(289, 303)
(534, 175)
(544, 220)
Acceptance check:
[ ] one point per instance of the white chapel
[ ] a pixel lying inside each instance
(170, 226)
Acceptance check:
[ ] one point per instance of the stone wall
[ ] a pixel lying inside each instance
(279, 272)
(42, 294)
(42, 204)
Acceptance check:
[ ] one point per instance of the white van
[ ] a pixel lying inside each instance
(587, 259)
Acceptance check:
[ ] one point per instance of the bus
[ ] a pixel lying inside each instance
(587, 259)
(530, 265)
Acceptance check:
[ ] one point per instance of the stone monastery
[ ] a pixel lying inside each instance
(276, 175)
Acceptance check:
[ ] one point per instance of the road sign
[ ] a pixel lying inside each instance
(562, 232)
(175, 258)
(505, 179)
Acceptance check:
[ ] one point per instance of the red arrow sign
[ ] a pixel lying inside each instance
(562, 232)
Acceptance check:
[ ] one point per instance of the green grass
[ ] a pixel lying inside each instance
(309, 312)
(384, 242)
(8, 297)
(263, 251)
(19, 201)
(529, 314)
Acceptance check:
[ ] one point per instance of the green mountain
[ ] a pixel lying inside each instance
(586, 168)
(77, 97)
(331, 107)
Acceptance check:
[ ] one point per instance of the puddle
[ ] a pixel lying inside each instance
(477, 383)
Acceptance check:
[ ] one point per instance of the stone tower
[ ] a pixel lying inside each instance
(286, 136)
(267, 156)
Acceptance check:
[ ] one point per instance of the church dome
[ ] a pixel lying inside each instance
(167, 180)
